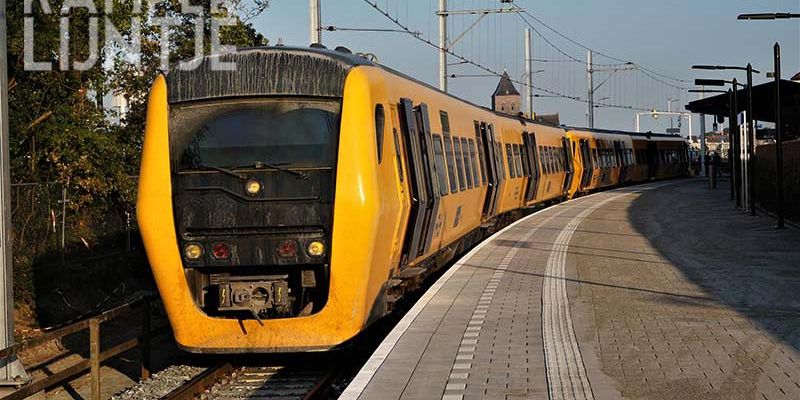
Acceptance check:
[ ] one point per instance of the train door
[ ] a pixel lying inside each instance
(625, 164)
(588, 167)
(529, 144)
(653, 160)
(490, 154)
(569, 167)
(425, 192)
(480, 154)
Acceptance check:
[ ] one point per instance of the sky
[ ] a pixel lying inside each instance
(666, 37)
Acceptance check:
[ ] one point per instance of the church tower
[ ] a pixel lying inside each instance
(506, 99)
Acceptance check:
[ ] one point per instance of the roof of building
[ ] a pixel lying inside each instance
(763, 102)
(505, 87)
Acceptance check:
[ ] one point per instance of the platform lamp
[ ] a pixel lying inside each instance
(751, 188)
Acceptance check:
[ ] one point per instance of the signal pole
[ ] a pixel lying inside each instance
(315, 17)
(11, 371)
(443, 45)
(590, 84)
(529, 71)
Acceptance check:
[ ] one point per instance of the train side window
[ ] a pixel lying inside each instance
(512, 173)
(459, 163)
(445, 120)
(438, 159)
(556, 160)
(518, 161)
(451, 163)
(498, 153)
(467, 162)
(380, 122)
(551, 159)
(559, 160)
(472, 156)
(543, 159)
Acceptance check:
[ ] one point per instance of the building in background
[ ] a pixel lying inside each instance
(506, 99)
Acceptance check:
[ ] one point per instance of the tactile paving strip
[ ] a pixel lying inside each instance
(462, 367)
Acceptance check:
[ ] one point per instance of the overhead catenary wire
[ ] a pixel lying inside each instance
(643, 68)
(482, 67)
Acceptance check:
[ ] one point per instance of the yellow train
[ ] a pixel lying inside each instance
(287, 205)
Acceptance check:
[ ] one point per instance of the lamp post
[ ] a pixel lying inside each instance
(778, 138)
(751, 134)
(767, 16)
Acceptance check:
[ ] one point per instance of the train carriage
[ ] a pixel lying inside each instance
(287, 205)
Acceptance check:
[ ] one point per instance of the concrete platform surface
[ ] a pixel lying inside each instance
(659, 291)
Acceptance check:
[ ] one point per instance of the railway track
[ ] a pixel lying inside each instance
(228, 382)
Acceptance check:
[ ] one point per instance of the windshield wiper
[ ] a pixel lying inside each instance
(277, 167)
(225, 171)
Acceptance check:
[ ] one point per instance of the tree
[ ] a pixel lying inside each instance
(60, 131)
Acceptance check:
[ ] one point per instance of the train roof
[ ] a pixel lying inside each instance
(617, 132)
(323, 73)
(327, 68)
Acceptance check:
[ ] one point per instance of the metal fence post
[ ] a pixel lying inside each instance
(94, 356)
(146, 310)
(127, 231)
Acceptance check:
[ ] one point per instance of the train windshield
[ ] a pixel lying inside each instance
(285, 133)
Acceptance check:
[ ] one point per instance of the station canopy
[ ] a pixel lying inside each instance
(763, 103)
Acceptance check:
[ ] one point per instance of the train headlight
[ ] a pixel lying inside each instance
(193, 251)
(253, 187)
(316, 249)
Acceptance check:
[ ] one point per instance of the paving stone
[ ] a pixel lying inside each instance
(658, 308)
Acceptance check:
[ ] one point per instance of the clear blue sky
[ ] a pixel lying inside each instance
(665, 36)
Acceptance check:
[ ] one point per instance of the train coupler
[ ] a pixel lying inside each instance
(260, 297)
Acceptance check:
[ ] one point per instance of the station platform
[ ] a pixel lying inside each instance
(658, 291)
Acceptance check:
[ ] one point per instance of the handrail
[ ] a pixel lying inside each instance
(96, 355)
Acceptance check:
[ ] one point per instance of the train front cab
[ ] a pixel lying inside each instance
(370, 209)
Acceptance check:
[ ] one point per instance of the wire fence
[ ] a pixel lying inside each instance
(71, 255)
